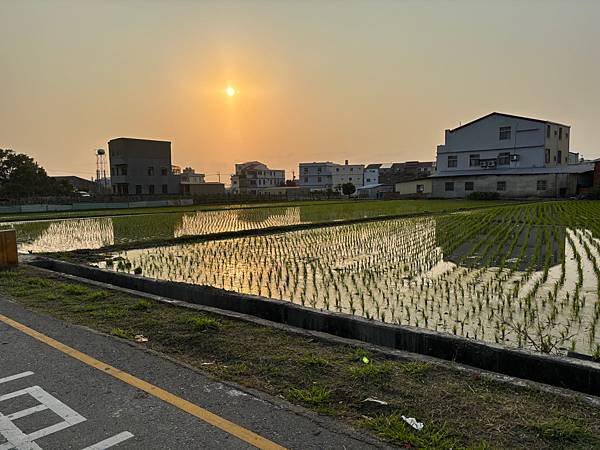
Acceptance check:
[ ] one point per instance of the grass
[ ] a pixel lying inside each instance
(394, 429)
(458, 410)
(203, 323)
(563, 433)
(372, 372)
(314, 395)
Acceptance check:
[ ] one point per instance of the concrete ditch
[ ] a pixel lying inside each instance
(578, 375)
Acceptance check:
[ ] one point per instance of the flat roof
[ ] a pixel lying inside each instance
(137, 139)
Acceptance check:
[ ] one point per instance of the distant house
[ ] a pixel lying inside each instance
(512, 155)
(392, 173)
(141, 167)
(374, 191)
(323, 176)
(78, 183)
(253, 177)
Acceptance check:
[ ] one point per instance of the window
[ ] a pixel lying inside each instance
(474, 160)
(150, 189)
(306, 179)
(319, 179)
(504, 133)
(452, 160)
(420, 188)
(350, 179)
(547, 155)
(165, 189)
(501, 186)
(542, 185)
(469, 185)
(163, 171)
(547, 131)
(504, 159)
(368, 180)
(560, 132)
(150, 171)
(319, 170)
(559, 156)
(337, 169)
(351, 169)
(138, 189)
(449, 186)
(306, 170)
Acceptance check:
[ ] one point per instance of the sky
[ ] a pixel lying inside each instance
(367, 81)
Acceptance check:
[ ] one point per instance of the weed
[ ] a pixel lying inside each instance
(416, 369)
(371, 372)
(312, 361)
(142, 305)
(75, 289)
(562, 431)
(314, 395)
(119, 332)
(203, 323)
(358, 354)
(393, 428)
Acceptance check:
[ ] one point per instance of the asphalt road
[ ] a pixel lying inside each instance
(50, 400)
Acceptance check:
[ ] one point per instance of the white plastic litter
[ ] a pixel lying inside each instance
(375, 400)
(413, 423)
(140, 338)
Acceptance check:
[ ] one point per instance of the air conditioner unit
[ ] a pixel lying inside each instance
(483, 163)
(514, 157)
(491, 164)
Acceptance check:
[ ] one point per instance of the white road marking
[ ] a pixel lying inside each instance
(107, 443)
(15, 377)
(21, 441)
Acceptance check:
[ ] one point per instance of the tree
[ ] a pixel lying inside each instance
(290, 183)
(21, 176)
(348, 189)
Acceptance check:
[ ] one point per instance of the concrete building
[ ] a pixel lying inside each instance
(374, 191)
(78, 183)
(254, 177)
(392, 173)
(512, 155)
(141, 167)
(323, 176)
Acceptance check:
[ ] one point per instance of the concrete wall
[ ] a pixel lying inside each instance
(92, 206)
(582, 376)
(516, 185)
(410, 187)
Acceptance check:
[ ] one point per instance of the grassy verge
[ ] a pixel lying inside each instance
(458, 410)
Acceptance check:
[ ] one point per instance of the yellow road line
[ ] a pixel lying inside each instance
(190, 408)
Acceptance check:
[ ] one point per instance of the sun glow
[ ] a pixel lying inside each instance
(230, 91)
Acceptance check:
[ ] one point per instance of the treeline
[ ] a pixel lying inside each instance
(21, 177)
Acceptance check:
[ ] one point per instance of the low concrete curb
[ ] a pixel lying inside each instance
(582, 376)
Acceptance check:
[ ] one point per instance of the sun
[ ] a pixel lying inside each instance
(230, 91)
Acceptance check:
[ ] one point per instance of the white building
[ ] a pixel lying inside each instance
(321, 176)
(511, 155)
(371, 174)
(254, 177)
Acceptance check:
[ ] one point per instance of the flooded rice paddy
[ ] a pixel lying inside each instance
(39, 236)
(525, 275)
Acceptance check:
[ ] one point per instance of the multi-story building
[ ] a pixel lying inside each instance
(512, 155)
(141, 167)
(392, 173)
(323, 176)
(254, 177)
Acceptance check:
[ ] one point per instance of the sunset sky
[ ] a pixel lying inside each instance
(375, 81)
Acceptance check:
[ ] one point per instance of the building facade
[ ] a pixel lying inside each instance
(141, 167)
(323, 176)
(392, 173)
(511, 155)
(254, 177)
